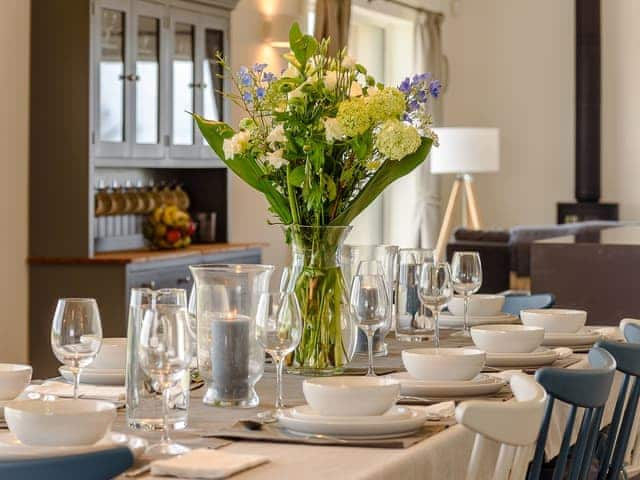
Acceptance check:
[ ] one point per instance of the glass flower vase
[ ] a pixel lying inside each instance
(330, 333)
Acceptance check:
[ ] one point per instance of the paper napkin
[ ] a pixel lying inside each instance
(96, 392)
(206, 464)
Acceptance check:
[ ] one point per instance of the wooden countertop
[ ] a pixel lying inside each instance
(139, 256)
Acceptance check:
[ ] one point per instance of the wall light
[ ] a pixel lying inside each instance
(276, 30)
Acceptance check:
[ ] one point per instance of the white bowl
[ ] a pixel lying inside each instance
(59, 422)
(480, 305)
(112, 355)
(351, 396)
(507, 338)
(14, 378)
(554, 320)
(443, 363)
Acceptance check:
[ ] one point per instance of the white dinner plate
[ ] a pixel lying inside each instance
(480, 385)
(584, 336)
(375, 426)
(447, 320)
(95, 377)
(12, 449)
(394, 414)
(538, 358)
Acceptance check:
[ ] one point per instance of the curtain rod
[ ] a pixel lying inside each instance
(411, 7)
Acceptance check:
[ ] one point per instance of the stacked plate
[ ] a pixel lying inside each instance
(515, 345)
(483, 310)
(360, 408)
(562, 327)
(445, 373)
(108, 368)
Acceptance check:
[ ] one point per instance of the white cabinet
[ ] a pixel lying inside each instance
(152, 64)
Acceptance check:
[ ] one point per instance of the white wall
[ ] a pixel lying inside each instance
(512, 67)
(620, 105)
(248, 208)
(14, 162)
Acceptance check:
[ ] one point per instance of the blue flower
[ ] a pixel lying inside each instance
(260, 92)
(422, 96)
(413, 105)
(405, 86)
(246, 96)
(269, 77)
(259, 67)
(434, 87)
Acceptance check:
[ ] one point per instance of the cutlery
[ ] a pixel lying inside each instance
(255, 425)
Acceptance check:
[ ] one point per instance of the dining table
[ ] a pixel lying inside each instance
(442, 455)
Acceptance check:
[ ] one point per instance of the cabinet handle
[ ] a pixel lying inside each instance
(151, 285)
(133, 77)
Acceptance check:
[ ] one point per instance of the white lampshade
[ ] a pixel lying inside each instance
(466, 150)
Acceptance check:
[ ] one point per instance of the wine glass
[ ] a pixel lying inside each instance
(76, 334)
(435, 290)
(164, 352)
(466, 275)
(278, 331)
(369, 303)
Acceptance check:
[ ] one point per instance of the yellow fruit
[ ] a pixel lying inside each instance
(181, 219)
(156, 216)
(186, 241)
(169, 215)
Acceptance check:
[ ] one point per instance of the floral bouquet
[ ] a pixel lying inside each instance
(321, 141)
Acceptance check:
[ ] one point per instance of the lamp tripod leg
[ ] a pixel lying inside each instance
(445, 229)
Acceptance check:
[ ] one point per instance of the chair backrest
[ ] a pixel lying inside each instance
(627, 357)
(632, 334)
(585, 389)
(513, 424)
(513, 304)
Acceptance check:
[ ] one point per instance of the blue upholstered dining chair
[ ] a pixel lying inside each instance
(514, 303)
(101, 465)
(616, 441)
(586, 389)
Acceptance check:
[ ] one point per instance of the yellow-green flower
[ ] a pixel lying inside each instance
(396, 139)
(353, 117)
(386, 103)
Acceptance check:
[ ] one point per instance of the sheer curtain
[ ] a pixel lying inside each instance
(332, 21)
(412, 204)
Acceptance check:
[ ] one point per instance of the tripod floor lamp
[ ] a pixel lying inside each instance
(463, 151)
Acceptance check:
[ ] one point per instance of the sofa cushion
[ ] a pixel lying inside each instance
(465, 234)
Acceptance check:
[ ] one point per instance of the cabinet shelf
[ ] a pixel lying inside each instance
(153, 163)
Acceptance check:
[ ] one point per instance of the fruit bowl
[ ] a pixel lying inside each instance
(169, 227)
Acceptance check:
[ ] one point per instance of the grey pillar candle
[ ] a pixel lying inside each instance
(230, 355)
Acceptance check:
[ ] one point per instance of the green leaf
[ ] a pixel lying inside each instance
(388, 173)
(244, 166)
(330, 186)
(302, 46)
(296, 177)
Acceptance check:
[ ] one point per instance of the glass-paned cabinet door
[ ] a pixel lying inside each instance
(110, 134)
(185, 95)
(148, 105)
(214, 40)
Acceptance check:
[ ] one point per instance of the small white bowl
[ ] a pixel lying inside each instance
(351, 396)
(14, 378)
(507, 338)
(59, 422)
(554, 320)
(437, 364)
(112, 355)
(480, 305)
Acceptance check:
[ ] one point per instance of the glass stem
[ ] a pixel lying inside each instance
(436, 328)
(370, 371)
(466, 313)
(166, 397)
(76, 382)
(279, 365)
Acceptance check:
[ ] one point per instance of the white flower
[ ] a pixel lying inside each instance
(355, 90)
(296, 93)
(236, 145)
(332, 130)
(331, 80)
(290, 72)
(348, 62)
(277, 135)
(275, 159)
